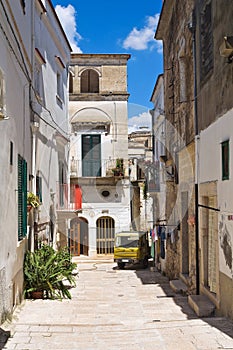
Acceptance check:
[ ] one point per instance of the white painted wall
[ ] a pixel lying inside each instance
(210, 169)
(52, 112)
(16, 62)
(16, 130)
(114, 144)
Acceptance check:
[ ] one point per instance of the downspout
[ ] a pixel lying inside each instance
(192, 27)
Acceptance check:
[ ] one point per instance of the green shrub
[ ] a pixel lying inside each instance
(47, 270)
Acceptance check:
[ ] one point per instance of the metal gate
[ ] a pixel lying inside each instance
(105, 235)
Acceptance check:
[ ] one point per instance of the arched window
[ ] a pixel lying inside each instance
(89, 81)
(71, 83)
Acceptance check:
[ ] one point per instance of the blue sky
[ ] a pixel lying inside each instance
(122, 26)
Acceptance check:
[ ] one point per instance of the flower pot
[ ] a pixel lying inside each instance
(37, 294)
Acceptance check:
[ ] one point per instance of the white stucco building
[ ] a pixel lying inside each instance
(34, 59)
(99, 150)
(50, 123)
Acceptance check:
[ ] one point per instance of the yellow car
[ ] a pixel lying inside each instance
(131, 247)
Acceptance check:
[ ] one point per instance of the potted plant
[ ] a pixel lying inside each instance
(118, 171)
(47, 272)
(32, 201)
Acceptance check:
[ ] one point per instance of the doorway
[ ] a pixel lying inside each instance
(185, 233)
(105, 235)
(210, 247)
(78, 239)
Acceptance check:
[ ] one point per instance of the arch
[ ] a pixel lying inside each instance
(89, 81)
(78, 237)
(96, 115)
(105, 235)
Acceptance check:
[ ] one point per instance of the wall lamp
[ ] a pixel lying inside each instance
(226, 48)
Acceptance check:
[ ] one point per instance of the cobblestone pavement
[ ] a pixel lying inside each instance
(115, 309)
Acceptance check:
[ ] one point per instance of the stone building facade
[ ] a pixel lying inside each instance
(174, 31)
(214, 114)
(198, 56)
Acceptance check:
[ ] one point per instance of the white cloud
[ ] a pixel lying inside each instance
(66, 16)
(142, 39)
(143, 120)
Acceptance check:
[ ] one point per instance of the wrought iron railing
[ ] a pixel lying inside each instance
(98, 168)
(69, 197)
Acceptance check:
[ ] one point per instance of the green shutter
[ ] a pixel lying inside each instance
(22, 197)
(91, 155)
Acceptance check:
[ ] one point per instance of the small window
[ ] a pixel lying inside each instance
(38, 79)
(38, 74)
(22, 2)
(89, 81)
(11, 153)
(225, 160)
(71, 83)
(2, 92)
(206, 40)
(39, 188)
(105, 193)
(58, 84)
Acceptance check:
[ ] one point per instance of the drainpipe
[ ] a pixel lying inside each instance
(192, 28)
(34, 129)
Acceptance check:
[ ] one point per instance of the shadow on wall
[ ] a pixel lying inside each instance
(4, 335)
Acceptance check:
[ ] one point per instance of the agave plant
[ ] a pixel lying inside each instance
(33, 200)
(47, 270)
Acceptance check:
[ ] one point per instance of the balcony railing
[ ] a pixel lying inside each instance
(98, 168)
(69, 197)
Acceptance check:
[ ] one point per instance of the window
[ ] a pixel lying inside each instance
(22, 197)
(22, 2)
(206, 41)
(62, 184)
(38, 74)
(183, 74)
(89, 81)
(91, 155)
(38, 79)
(58, 84)
(2, 93)
(71, 83)
(105, 193)
(11, 152)
(225, 160)
(39, 188)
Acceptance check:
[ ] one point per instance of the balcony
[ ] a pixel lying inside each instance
(69, 199)
(98, 168)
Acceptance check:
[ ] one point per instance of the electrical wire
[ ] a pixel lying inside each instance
(24, 69)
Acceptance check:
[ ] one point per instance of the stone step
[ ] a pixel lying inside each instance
(178, 286)
(201, 304)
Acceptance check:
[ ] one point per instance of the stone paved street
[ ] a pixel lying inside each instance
(115, 309)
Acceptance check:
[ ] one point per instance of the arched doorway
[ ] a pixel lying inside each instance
(105, 234)
(78, 239)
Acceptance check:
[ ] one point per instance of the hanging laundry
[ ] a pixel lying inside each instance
(163, 239)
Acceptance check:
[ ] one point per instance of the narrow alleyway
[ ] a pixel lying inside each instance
(115, 309)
